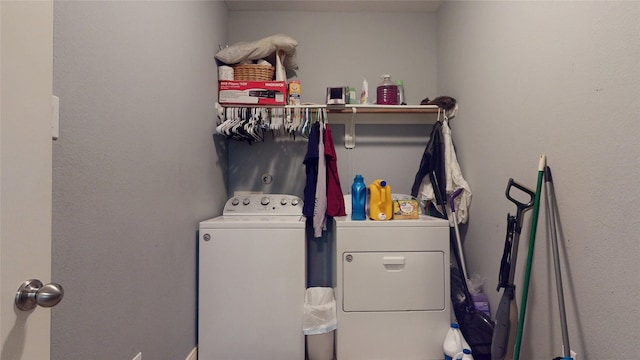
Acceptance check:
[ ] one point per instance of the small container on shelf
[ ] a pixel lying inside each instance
(294, 92)
(401, 99)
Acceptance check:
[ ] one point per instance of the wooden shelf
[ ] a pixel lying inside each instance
(352, 115)
(383, 109)
(357, 114)
(354, 108)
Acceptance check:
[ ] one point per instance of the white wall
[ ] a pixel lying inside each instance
(135, 169)
(561, 79)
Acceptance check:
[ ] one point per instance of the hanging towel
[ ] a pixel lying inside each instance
(320, 209)
(439, 174)
(454, 177)
(311, 168)
(335, 198)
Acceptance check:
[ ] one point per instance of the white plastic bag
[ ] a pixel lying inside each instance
(319, 311)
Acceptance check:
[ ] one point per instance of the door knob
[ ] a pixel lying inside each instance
(32, 293)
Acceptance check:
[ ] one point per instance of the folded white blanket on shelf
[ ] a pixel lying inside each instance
(260, 49)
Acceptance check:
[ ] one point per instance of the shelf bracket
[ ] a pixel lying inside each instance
(350, 130)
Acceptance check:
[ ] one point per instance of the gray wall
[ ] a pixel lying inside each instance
(135, 169)
(340, 48)
(561, 79)
(532, 78)
(337, 49)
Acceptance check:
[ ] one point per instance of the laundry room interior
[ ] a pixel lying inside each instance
(138, 163)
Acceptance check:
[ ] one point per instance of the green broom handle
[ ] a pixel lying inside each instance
(527, 274)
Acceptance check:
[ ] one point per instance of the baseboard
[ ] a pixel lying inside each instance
(193, 355)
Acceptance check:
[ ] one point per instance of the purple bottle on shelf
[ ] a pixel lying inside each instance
(387, 91)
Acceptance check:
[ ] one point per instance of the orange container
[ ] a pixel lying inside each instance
(380, 203)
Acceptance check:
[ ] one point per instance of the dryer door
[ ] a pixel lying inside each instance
(393, 281)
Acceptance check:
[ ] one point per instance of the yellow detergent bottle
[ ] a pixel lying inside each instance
(380, 203)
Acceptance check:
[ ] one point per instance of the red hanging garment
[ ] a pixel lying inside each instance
(335, 198)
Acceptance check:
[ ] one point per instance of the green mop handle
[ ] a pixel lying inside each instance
(527, 273)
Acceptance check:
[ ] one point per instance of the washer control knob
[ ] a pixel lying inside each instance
(294, 202)
(283, 201)
(246, 201)
(235, 201)
(265, 201)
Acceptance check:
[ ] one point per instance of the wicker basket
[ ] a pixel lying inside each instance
(253, 72)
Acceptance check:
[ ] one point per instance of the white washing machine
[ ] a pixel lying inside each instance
(392, 288)
(252, 280)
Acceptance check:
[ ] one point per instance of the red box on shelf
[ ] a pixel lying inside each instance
(242, 92)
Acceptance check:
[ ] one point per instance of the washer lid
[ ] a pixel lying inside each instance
(254, 222)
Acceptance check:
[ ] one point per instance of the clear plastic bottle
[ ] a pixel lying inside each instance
(358, 198)
(387, 91)
(401, 98)
(364, 95)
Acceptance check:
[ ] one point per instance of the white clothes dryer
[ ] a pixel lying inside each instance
(252, 280)
(392, 288)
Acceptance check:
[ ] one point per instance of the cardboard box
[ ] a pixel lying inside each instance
(405, 209)
(252, 92)
(294, 92)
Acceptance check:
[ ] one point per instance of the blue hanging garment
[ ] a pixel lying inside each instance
(311, 167)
